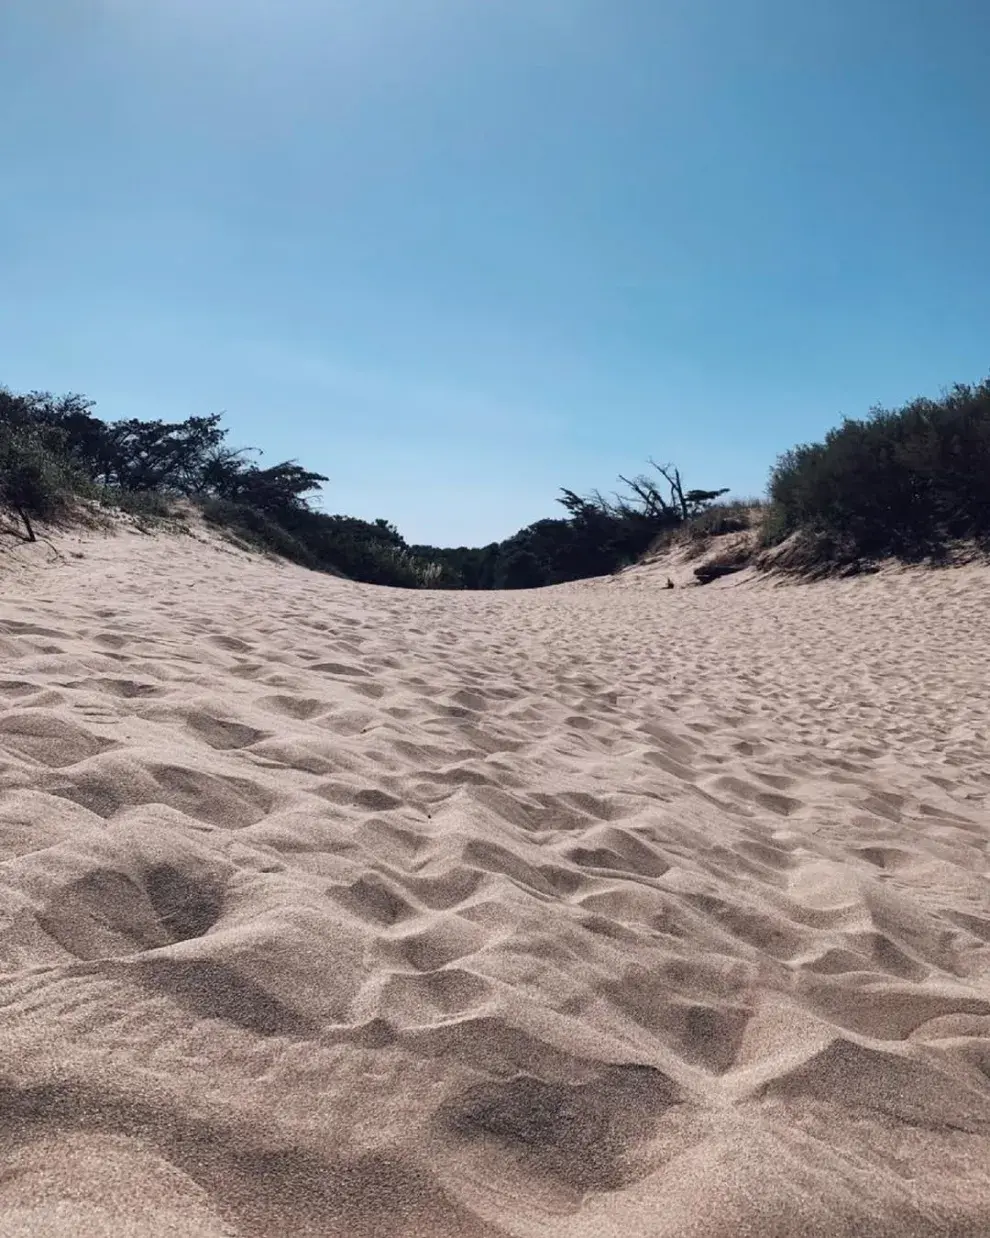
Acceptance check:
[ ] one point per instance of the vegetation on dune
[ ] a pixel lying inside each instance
(906, 483)
(53, 450)
(33, 478)
(597, 536)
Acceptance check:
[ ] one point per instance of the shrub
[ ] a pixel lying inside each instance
(256, 529)
(521, 570)
(722, 518)
(34, 480)
(145, 504)
(900, 483)
(775, 525)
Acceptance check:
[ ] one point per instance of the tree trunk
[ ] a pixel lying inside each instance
(27, 524)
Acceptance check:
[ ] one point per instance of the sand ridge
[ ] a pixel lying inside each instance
(335, 910)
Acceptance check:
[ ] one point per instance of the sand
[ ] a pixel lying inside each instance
(597, 910)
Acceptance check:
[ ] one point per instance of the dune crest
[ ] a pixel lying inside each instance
(335, 910)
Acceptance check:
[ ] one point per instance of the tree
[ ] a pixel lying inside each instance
(522, 570)
(158, 455)
(281, 488)
(680, 506)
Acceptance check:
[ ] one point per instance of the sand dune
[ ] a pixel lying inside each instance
(604, 909)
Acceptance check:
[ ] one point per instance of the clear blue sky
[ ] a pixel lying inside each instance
(459, 253)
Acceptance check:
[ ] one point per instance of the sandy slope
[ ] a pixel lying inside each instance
(328, 910)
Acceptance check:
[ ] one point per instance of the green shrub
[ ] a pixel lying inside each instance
(900, 483)
(256, 529)
(34, 480)
(722, 518)
(774, 525)
(146, 504)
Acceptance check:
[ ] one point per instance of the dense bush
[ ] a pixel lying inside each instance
(904, 482)
(372, 551)
(147, 505)
(721, 518)
(36, 478)
(256, 529)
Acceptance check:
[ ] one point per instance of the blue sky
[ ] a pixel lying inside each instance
(459, 253)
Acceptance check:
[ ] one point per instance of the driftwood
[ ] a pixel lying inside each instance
(734, 561)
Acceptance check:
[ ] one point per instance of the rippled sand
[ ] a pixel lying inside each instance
(598, 910)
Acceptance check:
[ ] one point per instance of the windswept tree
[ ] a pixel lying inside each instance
(282, 487)
(159, 455)
(679, 506)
